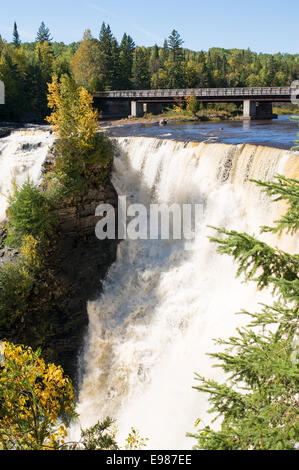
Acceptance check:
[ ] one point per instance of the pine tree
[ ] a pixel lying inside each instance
(107, 49)
(43, 34)
(127, 47)
(141, 75)
(165, 52)
(44, 60)
(174, 65)
(15, 93)
(175, 46)
(116, 71)
(258, 402)
(16, 37)
(154, 60)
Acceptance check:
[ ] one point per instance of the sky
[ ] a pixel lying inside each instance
(261, 25)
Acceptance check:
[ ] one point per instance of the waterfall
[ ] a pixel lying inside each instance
(163, 305)
(22, 154)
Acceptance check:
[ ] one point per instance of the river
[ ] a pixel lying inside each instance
(279, 133)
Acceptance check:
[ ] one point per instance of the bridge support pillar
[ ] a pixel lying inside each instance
(264, 110)
(249, 109)
(258, 110)
(114, 109)
(137, 109)
(153, 108)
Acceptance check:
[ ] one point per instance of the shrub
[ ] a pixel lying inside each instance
(37, 401)
(193, 105)
(29, 213)
(16, 283)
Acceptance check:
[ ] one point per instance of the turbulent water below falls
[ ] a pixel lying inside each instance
(162, 305)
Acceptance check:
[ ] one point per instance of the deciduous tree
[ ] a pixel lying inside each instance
(37, 401)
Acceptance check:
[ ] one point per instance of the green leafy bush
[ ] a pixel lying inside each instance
(17, 280)
(16, 283)
(73, 173)
(29, 213)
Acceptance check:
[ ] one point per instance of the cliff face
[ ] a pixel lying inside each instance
(77, 263)
(80, 263)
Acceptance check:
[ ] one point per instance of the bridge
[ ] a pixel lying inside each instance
(257, 101)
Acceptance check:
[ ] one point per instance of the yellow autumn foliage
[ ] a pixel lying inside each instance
(73, 116)
(29, 251)
(37, 401)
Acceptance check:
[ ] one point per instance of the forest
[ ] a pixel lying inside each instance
(102, 63)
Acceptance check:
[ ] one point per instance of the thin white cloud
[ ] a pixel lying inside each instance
(148, 33)
(102, 10)
(138, 28)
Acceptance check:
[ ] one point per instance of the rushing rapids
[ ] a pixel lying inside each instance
(162, 305)
(22, 154)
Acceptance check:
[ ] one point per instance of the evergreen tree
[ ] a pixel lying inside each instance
(2, 44)
(44, 61)
(126, 49)
(116, 72)
(164, 52)
(154, 60)
(15, 93)
(141, 76)
(258, 402)
(174, 64)
(43, 34)
(16, 37)
(36, 91)
(102, 64)
(107, 50)
(175, 46)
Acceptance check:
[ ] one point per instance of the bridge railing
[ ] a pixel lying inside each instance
(253, 91)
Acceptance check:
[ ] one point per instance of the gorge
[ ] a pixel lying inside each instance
(160, 305)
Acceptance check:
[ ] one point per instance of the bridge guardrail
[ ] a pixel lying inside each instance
(253, 91)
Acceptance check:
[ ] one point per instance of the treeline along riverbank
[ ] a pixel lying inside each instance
(100, 62)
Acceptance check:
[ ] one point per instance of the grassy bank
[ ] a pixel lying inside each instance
(285, 108)
(179, 113)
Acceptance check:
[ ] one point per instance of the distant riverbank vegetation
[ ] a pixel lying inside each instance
(102, 63)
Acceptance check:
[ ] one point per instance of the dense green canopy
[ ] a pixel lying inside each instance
(102, 63)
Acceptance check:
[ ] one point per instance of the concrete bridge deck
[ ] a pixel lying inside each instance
(257, 101)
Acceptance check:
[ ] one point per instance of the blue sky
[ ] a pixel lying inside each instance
(262, 25)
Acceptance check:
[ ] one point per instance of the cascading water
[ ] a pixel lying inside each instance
(22, 154)
(162, 305)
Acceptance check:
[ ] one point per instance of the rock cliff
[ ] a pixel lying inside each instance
(76, 265)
